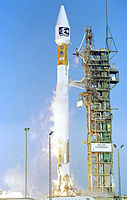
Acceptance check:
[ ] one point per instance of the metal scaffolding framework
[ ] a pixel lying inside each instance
(100, 77)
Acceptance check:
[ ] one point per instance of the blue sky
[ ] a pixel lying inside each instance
(28, 57)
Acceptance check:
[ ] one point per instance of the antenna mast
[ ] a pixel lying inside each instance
(107, 47)
(110, 43)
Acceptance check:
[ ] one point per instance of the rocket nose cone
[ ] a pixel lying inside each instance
(62, 18)
(62, 29)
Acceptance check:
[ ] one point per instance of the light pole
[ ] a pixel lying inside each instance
(119, 168)
(26, 130)
(50, 171)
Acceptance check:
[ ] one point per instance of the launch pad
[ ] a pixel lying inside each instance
(100, 77)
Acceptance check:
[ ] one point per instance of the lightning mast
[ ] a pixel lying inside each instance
(99, 78)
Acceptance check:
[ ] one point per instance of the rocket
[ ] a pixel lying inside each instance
(63, 185)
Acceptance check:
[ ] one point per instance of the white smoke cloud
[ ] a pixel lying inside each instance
(14, 180)
(33, 135)
(11, 195)
(40, 126)
(38, 157)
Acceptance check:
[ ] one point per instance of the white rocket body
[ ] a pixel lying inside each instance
(62, 38)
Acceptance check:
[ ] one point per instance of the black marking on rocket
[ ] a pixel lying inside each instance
(64, 31)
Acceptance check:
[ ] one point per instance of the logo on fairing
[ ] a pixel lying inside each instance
(64, 31)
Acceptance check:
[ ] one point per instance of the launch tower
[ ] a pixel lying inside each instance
(100, 77)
